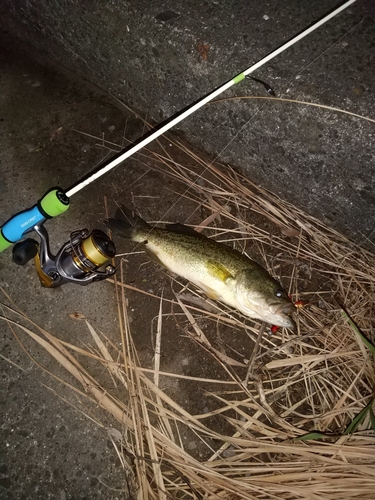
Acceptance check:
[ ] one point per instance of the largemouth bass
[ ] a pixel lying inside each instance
(220, 271)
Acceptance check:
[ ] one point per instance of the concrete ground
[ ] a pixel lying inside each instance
(321, 160)
(49, 450)
(162, 56)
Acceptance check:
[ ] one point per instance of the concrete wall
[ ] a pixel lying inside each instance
(160, 56)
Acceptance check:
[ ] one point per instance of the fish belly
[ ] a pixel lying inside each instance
(194, 268)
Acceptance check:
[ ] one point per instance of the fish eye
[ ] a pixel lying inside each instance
(280, 293)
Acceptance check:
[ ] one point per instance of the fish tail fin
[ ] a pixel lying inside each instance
(127, 223)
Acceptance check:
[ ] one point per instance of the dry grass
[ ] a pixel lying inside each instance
(316, 379)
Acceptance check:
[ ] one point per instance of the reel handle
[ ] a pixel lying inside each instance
(25, 250)
(53, 203)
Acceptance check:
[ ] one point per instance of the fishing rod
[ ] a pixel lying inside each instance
(81, 260)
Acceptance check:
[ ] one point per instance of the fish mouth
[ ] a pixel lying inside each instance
(281, 315)
(274, 312)
(286, 309)
(281, 307)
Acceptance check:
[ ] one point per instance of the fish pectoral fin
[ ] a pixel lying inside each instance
(209, 292)
(219, 271)
(155, 258)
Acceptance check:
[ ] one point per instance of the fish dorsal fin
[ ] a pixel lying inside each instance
(219, 271)
(130, 217)
(126, 223)
(182, 229)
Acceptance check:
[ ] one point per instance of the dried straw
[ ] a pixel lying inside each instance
(285, 412)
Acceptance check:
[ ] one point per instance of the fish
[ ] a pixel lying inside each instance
(221, 272)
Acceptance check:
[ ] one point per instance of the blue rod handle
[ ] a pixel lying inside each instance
(53, 203)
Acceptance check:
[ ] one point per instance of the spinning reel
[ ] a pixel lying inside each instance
(81, 260)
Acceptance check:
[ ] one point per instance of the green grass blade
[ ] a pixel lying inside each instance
(372, 418)
(364, 339)
(316, 435)
(357, 420)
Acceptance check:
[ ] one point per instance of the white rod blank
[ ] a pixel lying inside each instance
(160, 131)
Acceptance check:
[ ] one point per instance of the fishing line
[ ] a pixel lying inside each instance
(161, 130)
(273, 96)
(271, 92)
(296, 101)
(56, 201)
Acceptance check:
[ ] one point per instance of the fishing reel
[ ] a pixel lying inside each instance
(81, 260)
